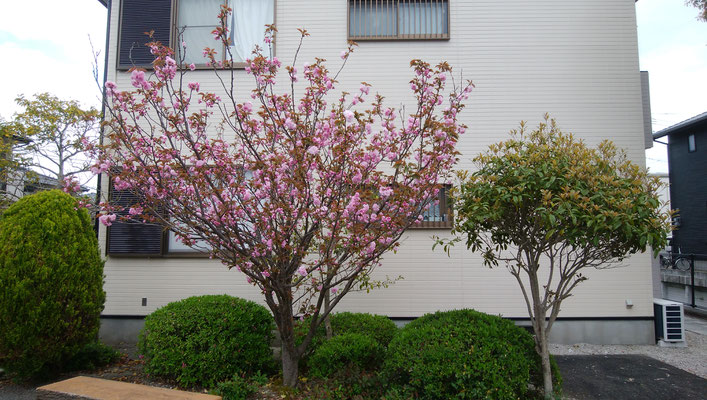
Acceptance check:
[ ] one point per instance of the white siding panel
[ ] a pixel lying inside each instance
(576, 59)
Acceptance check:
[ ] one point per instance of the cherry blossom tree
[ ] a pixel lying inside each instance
(301, 194)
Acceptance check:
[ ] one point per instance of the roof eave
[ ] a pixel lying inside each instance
(697, 119)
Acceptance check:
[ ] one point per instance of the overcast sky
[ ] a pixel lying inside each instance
(45, 47)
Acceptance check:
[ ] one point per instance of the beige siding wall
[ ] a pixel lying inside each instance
(575, 59)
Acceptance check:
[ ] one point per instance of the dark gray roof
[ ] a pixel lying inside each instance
(681, 125)
(104, 2)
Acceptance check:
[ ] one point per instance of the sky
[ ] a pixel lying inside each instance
(46, 47)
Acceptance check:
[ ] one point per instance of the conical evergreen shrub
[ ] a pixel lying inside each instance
(51, 283)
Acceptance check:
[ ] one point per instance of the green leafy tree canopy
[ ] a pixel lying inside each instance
(59, 131)
(546, 206)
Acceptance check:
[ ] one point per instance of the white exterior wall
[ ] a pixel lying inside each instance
(576, 59)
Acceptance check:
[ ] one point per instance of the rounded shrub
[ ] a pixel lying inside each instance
(51, 283)
(463, 354)
(203, 340)
(346, 352)
(378, 327)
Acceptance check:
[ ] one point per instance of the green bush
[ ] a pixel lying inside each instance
(463, 354)
(240, 387)
(378, 327)
(92, 356)
(200, 341)
(350, 351)
(51, 283)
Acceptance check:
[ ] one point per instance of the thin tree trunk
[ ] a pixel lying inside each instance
(327, 321)
(541, 333)
(547, 370)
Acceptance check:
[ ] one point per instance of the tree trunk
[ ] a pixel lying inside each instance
(547, 370)
(327, 321)
(289, 353)
(541, 333)
(290, 365)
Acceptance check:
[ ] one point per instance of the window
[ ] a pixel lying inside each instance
(398, 19)
(438, 215)
(175, 246)
(131, 238)
(196, 19)
(134, 238)
(136, 18)
(691, 144)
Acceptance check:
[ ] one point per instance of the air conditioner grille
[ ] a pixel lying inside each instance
(669, 321)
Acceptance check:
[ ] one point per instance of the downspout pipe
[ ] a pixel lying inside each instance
(109, 6)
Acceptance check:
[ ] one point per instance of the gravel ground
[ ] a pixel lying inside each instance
(692, 358)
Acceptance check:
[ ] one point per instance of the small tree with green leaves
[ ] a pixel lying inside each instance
(546, 206)
(59, 131)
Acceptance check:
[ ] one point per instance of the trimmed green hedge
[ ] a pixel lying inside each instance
(350, 351)
(378, 327)
(201, 341)
(463, 354)
(51, 283)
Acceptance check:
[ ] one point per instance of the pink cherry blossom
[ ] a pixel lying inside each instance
(349, 115)
(385, 191)
(107, 219)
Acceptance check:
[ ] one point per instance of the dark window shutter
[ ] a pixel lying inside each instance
(136, 18)
(132, 238)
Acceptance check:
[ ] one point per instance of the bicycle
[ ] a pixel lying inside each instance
(675, 261)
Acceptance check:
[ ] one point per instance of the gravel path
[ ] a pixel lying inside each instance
(692, 358)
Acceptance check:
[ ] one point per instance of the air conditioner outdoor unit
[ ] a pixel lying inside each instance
(669, 323)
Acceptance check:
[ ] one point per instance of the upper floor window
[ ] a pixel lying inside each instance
(691, 144)
(196, 19)
(398, 19)
(193, 20)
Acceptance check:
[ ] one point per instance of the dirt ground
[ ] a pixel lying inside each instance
(586, 376)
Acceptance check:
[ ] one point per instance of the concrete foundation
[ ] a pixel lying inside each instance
(594, 331)
(601, 331)
(120, 330)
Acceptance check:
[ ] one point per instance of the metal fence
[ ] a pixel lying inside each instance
(682, 262)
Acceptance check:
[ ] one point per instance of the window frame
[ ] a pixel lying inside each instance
(444, 209)
(398, 36)
(176, 45)
(691, 143)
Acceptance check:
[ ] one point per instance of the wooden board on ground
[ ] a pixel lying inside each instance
(85, 388)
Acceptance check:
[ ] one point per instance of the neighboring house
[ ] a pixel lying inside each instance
(577, 60)
(11, 180)
(687, 166)
(28, 182)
